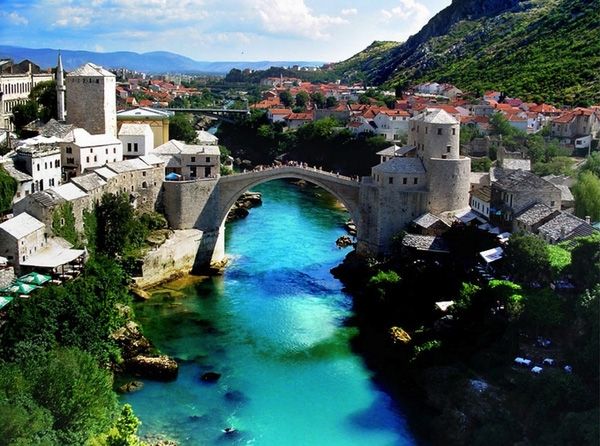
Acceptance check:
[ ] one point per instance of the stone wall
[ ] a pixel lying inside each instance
(449, 184)
(176, 256)
(185, 202)
(92, 104)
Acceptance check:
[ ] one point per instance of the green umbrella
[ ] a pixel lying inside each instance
(4, 300)
(21, 288)
(34, 278)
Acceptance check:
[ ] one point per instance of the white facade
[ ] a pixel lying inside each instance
(15, 89)
(42, 162)
(84, 151)
(137, 139)
(190, 161)
(392, 124)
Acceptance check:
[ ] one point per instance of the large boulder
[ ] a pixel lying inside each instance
(131, 386)
(131, 341)
(210, 377)
(161, 368)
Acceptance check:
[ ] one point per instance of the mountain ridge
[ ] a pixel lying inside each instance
(542, 50)
(154, 61)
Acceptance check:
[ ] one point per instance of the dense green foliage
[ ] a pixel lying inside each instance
(527, 256)
(181, 128)
(57, 398)
(63, 223)
(23, 114)
(8, 188)
(322, 143)
(118, 231)
(44, 94)
(548, 51)
(81, 313)
(490, 323)
(123, 432)
(587, 195)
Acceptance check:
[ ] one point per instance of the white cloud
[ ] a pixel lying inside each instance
(74, 16)
(408, 10)
(14, 18)
(349, 11)
(293, 17)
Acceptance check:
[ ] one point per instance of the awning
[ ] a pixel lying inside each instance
(172, 177)
(491, 255)
(34, 278)
(19, 288)
(53, 257)
(5, 300)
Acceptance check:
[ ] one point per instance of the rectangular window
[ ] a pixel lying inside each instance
(106, 151)
(208, 159)
(38, 167)
(129, 147)
(114, 150)
(404, 180)
(454, 131)
(416, 180)
(95, 158)
(135, 146)
(87, 159)
(391, 180)
(193, 159)
(69, 149)
(56, 163)
(448, 148)
(439, 131)
(426, 130)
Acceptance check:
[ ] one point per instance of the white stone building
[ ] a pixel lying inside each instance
(137, 139)
(14, 90)
(22, 237)
(82, 151)
(392, 124)
(40, 158)
(91, 99)
(190, 161)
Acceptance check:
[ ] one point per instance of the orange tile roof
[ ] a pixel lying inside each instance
(300, 117)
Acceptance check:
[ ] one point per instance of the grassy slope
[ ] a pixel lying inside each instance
(546, 50)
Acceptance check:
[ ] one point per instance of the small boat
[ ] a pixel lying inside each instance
(229, 430)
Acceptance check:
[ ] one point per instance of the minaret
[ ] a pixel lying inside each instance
(60, 90)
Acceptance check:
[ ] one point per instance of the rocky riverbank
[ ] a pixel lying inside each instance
(240, 208)
(140, 358)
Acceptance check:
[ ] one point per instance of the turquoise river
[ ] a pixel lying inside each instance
(274, 326)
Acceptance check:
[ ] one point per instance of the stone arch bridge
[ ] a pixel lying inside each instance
(204, 203)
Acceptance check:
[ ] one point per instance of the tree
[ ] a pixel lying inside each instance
(124, 431)
(118, 231)
(302, 99)
(527, 258)
(318, 99)
(8, 188)
(559, 165)
(587, 196)
(331, 102)
(23, 114)
(44, 94)
(286, 98)
(181, 128)
(585, 261)
(592, 164)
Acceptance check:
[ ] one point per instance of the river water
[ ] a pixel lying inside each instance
(274, 327)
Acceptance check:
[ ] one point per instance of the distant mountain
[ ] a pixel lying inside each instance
(536, 49)
(154, 62)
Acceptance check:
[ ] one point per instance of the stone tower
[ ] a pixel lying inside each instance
(435, 135)
(436, 179)
(60, 90)
(91, 99)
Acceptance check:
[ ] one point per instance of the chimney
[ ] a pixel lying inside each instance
(588, 219)
(562, 232)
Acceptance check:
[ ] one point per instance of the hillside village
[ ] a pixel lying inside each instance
(102, 143)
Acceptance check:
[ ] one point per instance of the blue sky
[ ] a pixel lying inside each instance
(215, 30)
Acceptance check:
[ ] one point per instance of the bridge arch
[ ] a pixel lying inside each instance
(342, 188)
